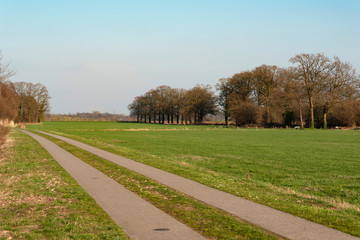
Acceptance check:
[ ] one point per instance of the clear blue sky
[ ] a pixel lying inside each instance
(99, 55)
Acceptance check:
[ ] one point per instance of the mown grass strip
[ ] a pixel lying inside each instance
(39, 200)
(210, 222)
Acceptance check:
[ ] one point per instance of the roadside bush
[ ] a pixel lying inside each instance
(8, 102)
(246, 112)
(345, 114)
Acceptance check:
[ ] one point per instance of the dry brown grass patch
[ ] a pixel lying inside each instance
(212, 172)
(186, 164)
(189, 208)
(34, 199)
(193, 157)
(336, 203)
(83, 130)
(9, 142)
(4, 199)
(5, 235)
(10, 180)
(229, 156)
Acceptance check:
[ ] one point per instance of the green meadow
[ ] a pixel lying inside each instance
(314, 174)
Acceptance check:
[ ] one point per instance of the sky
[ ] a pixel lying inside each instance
(99, 55)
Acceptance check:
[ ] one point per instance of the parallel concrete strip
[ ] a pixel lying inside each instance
(278, 222)
(138, 218)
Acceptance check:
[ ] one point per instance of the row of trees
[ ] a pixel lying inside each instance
(174, 105)
(33, 101)
(272, 95)
(21, 101)
(87, 116)
(310, 93)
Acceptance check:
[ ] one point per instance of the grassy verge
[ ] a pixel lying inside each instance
(210, 222)
(39, 200)
(311, 174)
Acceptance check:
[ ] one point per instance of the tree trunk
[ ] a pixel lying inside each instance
(29, 116)
(226, 114)
(326, 108)
(312, 112)
(325, 121)
(267, 112)
(301, 117)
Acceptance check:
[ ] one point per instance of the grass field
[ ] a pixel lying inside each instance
(39, 200)
(314, 174)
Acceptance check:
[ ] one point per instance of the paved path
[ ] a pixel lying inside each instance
(278, 222)
(138, 218)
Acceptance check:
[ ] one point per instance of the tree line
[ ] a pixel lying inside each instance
(21, 101)
(87, 116)
(174, 105)
(315, 92)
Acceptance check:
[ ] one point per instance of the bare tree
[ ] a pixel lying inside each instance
(240, 85)
(5, 71)
(294, 92)
(163, 101)
(33, 101)
(42, 97)
(201, 100)
(338, 86)
(8, 96)
(264, 83)
(225, 89)
(136, 108)
(179, 104)
(313, 70)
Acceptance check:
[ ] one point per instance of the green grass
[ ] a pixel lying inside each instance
(208, 221)
(313, 174)
(39, 200)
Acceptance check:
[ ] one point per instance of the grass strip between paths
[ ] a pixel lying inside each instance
(210, 222)
(40, 200)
